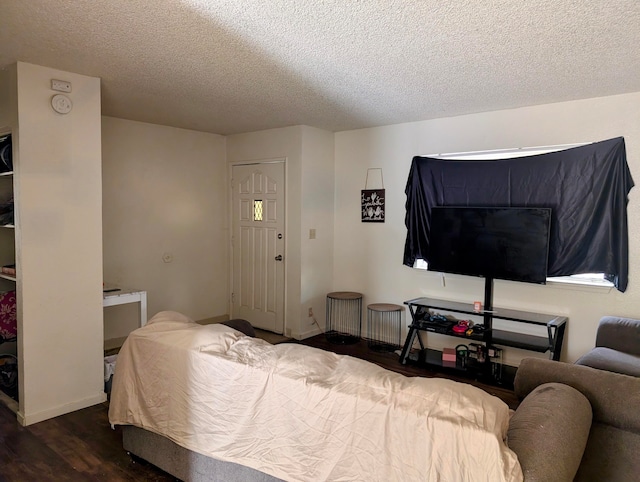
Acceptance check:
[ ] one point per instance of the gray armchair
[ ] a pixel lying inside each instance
(617, 346)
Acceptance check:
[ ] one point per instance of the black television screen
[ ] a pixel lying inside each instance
(492, 242)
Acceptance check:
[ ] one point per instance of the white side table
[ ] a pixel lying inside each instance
(119, 296)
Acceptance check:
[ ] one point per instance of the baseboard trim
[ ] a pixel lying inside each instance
(9, 402)
(213, 319)
(29, 419)
(309, 333)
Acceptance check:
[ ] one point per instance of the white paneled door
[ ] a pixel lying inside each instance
(258, 244)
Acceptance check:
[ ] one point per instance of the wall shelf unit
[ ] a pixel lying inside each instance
(7, 257)
(7, 226)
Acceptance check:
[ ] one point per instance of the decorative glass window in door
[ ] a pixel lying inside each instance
(257, 209)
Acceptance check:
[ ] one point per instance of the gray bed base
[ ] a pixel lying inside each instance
(185, 464)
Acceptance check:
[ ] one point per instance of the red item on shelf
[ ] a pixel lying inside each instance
(8, 320)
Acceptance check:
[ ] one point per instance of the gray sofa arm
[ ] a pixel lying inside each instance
(622, 334)
(549, 433)
(614, 398)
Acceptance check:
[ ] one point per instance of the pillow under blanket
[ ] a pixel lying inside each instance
(243, 326)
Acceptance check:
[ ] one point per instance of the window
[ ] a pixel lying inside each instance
(586, 279)
(592, 279)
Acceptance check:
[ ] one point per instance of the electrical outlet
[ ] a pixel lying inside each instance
(310, 312)
(60, 85)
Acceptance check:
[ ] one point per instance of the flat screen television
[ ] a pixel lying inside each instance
(492, 242)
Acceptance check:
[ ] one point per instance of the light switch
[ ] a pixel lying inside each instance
(312, 234)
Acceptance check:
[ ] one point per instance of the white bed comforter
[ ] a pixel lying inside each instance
(300, 413)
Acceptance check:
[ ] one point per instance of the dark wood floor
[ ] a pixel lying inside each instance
(81, 446)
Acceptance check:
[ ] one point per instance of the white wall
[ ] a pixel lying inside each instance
(58, 195)
(164, 192)
(308, 154)
(317, 209)
(368, 257)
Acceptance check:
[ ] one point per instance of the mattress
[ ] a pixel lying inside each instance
(304, 414)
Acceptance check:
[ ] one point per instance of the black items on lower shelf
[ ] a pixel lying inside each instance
(6, 213)
(6, 160)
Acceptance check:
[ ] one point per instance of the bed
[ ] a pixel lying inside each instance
(210, 403)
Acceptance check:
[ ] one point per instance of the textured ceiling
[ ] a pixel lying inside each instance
(233, 66)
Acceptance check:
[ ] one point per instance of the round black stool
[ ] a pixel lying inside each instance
(383, 326)
(344, 317)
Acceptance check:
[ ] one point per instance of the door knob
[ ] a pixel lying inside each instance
(279, 257)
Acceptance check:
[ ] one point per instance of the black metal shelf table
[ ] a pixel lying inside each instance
(551, 342)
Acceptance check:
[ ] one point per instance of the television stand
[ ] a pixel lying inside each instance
(421, 310)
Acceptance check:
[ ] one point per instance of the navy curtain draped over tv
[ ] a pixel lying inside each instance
(586, 187)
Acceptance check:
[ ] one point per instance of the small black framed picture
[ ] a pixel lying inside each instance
(372, 201)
